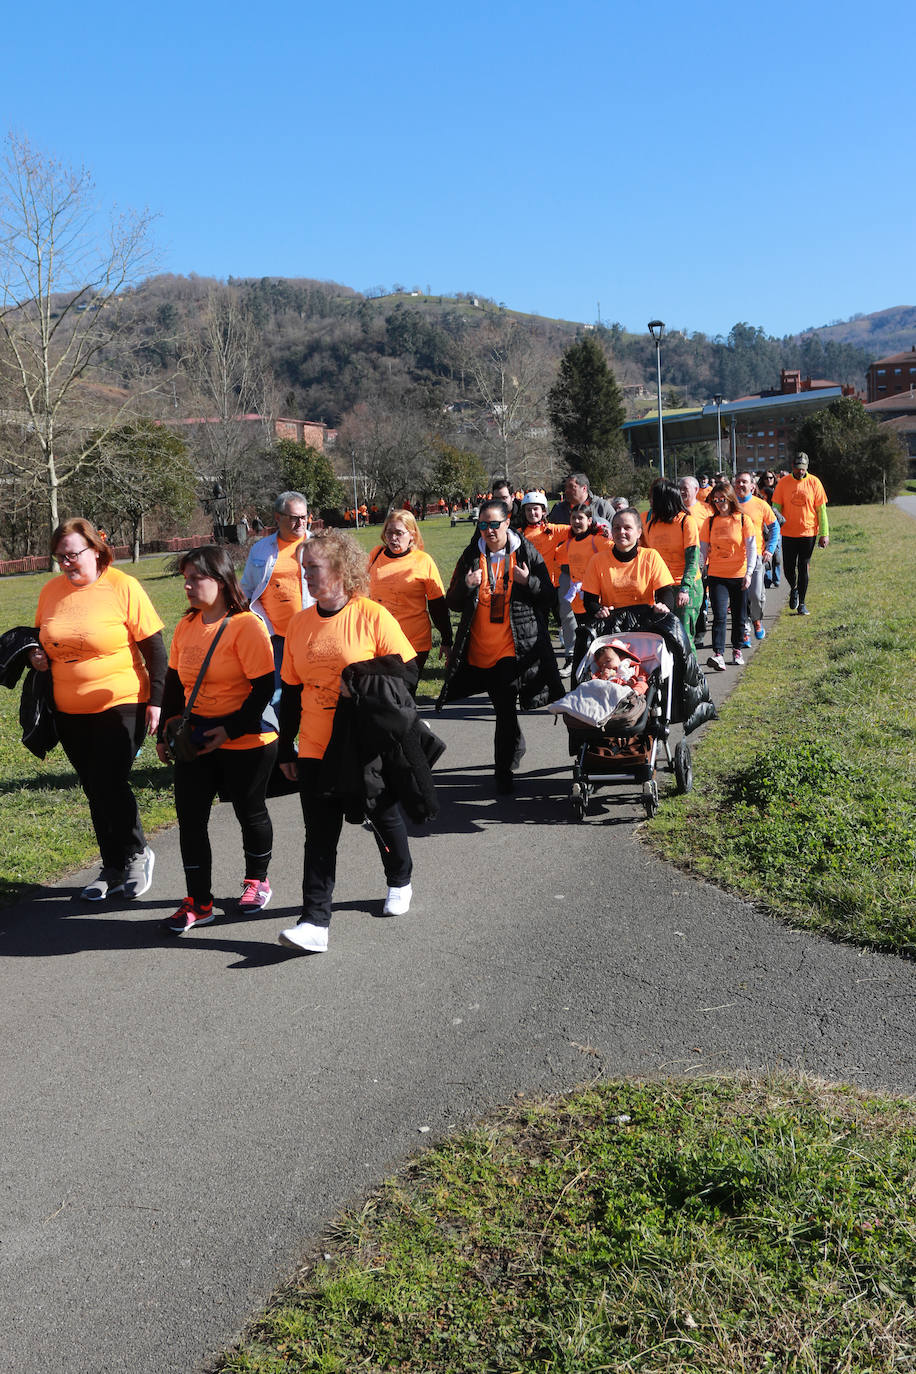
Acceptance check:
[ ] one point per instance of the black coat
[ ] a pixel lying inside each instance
(537, 678)
(691, 703)
(380, 747)
(36, 703)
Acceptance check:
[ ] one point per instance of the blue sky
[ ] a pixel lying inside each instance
(703, 163)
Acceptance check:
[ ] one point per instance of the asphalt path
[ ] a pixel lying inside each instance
(182, 1117)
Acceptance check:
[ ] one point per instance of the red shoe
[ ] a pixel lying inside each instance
(256, 894)
(189, 915)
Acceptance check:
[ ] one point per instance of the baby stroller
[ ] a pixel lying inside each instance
(604, 756)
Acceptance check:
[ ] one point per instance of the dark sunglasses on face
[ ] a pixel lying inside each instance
(489, 524)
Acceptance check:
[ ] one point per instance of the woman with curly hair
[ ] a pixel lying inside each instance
(343, 627)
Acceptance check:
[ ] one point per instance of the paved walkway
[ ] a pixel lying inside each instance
(181, 1116)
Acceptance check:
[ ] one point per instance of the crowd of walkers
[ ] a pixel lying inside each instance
(304, 670)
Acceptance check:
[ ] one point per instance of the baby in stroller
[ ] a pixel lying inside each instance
(618, 715)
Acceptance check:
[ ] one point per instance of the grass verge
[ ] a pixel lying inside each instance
(803, 792)
(739, 1225)
(44, 817)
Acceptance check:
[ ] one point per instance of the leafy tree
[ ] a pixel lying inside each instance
(138, 470)
(858, 460)
(457, 472)
(586, 411)
(300, 467)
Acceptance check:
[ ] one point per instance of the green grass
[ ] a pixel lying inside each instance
(43, 814)
(803, 792)
(738, 1225)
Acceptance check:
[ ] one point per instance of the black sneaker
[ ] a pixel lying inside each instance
(793, 599)
(803, 609)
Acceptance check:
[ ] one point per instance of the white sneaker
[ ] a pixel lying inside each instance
(397, 903)
(306, 938)
(138, 875)
(716, 661)
(737, 658)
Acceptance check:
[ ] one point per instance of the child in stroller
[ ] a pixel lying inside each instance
(617, 717)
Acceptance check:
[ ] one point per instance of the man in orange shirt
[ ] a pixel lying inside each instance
(800, 498)
(272, 579)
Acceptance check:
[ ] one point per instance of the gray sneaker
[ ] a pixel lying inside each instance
(138, 876)
(109, 881)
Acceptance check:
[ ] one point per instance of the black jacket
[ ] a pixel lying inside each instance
(380, 747)
(691, 703)
(36, 704)
(537, 679)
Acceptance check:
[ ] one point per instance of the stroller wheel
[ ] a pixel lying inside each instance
(650, 797)
(683, 767)
(579, 800)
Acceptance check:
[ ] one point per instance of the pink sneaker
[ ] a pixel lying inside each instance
(256, 894)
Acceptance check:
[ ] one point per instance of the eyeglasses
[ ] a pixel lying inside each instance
(65, 558)
(489, 524)
(293, 519)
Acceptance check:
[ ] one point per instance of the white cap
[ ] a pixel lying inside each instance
(534, 498)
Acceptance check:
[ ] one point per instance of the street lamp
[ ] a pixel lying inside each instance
(718, 405)
(657, 329)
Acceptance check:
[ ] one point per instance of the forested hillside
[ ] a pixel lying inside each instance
(422, 391)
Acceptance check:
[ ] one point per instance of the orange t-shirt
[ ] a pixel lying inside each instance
(282, 597)
(404, 586)
(244, 652)
(317, 650)
(725, 535)
(490, 641)
(633, 583)
(670, 538)
(700, 512)
(800, 499)
(90, 634)
(546, 539)
(576, 554)
(759, 514)
(703, 492)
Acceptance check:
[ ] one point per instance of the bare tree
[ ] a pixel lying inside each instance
(509, 367)
(389, 446)
(232, 389)
(63, 265)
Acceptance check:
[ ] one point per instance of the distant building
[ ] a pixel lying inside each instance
(898, 412)
(765, 437)
(891, 376)
(311, 432)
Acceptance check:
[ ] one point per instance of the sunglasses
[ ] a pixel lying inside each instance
(489, 524)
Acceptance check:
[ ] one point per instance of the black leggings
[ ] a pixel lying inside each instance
(796, 555)
(101, 747)
(240, 776)
(324, 817)
(499, 683)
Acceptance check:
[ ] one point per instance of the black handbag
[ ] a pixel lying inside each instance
(178, 731)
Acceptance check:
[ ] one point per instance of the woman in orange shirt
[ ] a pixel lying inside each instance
(344, 626)
(673, 533)
(625, 574)
(236, 751)
(405, 580)
(102, 643)
(728, 550)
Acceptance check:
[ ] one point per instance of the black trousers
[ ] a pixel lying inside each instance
(324, 817)
(239, 775)
(102, 747)
(796, 555)
(499, 684)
